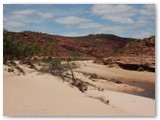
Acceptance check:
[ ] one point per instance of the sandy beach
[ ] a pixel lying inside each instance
(41, 94)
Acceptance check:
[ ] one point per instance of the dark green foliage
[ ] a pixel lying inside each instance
(16, 49)
(47, 49)
(10, 70)
(50, 60)
(75, 54)
(46, 60)
(56, 61)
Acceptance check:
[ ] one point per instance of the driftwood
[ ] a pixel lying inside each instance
(63, 72)
(91, 75)
(102, 99)
(28, 62)
(77, 82)
(17, 67)
(32, 66)
(115, 80)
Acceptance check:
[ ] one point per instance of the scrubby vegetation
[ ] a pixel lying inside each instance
(75, 54)
(65, 72)
(15, 49)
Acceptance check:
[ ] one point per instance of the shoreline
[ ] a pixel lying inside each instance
(149, 89)
(132, 82)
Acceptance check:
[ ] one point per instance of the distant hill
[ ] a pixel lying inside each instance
(90, 46)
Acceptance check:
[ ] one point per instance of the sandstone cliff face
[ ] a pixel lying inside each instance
(136, 55)
(145, 47)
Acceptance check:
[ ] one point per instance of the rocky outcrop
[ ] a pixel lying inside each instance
(145, 47)
(137, 63)
(136, 55)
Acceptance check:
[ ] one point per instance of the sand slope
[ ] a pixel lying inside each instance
(45, 95)
(123, 75)
(37, 94)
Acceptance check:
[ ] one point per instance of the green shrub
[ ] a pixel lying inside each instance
(56, 61)
(16, 49)
(75, 54)
(10, 70)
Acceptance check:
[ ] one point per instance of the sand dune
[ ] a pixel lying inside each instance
(37, 94)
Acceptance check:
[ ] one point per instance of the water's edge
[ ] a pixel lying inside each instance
(149, 89)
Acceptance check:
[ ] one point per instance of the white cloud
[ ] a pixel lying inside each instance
(141, 21)
(13, 24)
(68, 26)
(88, 25)
(148, 9)
(20, 18)
(71, 20)
(92, 27)
(23, 12)
(146, 17)
(45, 15)
(12, 21)
(27, 12)
(101, 28)
(126, 14)
(119, 19)
(118, 29)
(141, 34)
(99, 9)
(116, 13)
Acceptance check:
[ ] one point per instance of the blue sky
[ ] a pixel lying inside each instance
(127, 20)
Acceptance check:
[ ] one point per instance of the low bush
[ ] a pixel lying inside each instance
(10, 70)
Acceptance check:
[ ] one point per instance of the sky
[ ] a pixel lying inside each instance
(125, 20)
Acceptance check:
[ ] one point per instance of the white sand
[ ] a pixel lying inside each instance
(130, 104)
(116, 73)
(36, 94)
(124, 75)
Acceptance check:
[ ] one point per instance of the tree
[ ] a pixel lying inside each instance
(16, 49)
